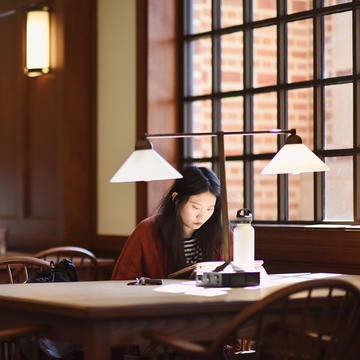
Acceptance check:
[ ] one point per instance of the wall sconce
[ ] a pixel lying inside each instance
(145, 164)
(37, 41)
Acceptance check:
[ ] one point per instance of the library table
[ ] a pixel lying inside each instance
(102, 314)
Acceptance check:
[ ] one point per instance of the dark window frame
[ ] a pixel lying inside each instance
(318, 83)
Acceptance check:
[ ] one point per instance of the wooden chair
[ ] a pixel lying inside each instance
(20, 268)
(10, 342)
(84, 260)
(315, 319)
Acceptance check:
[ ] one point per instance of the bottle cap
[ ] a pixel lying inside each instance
(243, 216)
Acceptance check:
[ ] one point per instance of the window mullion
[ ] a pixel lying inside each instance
(282, 180)
(248, 106)
(319, 178)
(356, 115)
(216, 77)
(187, 89)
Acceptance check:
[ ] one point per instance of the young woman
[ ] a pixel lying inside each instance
(186, 230)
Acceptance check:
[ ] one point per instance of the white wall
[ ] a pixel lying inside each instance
(116, 113)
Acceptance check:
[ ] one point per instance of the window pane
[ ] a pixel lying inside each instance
(232, 120)
(231, 12)
(202, 123)
(339, 189)
(232, 113)
(265, 191)
(335, 2)
(232, 62)
(300, 114)
(301, 197)
(264, 9)
(294, 6)
(265, 118)
(200, 16)
(300, 50)
(235, 187)
(339, 116)
(338, 44)
(265, 56)
(200, 67)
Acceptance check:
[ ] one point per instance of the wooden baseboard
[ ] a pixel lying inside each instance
(303, 249)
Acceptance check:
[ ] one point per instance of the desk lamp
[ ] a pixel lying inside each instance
(145, 164)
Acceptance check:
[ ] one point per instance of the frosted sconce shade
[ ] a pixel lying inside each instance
(145, 165)
(37, 42)
(294, 159)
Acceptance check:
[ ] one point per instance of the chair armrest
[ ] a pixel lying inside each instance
(12, 333)
(174, 342)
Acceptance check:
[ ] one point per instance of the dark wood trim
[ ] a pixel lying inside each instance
(141, 94)
(93, 123)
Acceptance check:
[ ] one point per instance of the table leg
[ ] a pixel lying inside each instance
(97, 351)
(97, 345)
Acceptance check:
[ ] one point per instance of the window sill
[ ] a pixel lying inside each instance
(308, 226)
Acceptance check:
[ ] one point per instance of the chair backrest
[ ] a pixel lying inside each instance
(12, 347)
(312, 320)
(315, 319)
(19, 268)
(84, 260)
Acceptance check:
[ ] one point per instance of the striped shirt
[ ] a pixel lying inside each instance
(192, 251)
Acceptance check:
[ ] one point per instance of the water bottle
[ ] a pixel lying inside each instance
(244, 241)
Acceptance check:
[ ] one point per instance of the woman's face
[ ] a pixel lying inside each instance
(196, 211)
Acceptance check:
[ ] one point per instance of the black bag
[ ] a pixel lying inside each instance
(63, 271)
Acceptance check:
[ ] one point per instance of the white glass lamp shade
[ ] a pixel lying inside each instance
(145, 165)
(37, 42)
(294, 159)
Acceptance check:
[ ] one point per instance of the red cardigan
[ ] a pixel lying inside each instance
(143, 254)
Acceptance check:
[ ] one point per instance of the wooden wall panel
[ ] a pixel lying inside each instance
(163, 87)
(304, 249)
(9, 114)
(157, 88)
(48, 127)
(40, 151)
(79, 143)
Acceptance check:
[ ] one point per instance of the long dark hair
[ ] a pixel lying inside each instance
(195, 180)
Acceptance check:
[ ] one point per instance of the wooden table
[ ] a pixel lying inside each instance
(102, 314)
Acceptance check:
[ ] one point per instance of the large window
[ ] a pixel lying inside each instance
(259, 65)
